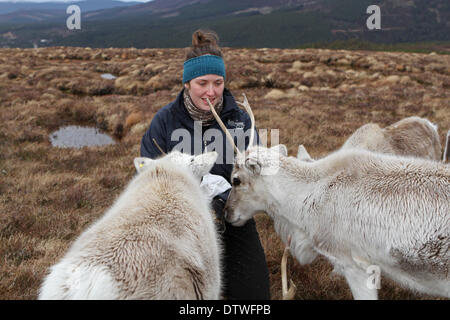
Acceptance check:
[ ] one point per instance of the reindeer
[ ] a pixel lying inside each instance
(158, 241)
(355, 207)
(412, 136)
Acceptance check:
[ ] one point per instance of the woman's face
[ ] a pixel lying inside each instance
(208, 86)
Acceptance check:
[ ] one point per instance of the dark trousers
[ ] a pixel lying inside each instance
(246, 275)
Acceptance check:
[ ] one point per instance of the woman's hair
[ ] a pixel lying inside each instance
(204, 42)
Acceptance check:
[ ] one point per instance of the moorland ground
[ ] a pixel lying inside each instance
(318, 98)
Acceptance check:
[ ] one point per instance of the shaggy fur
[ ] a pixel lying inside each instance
(413, 136)
(358, 209)
(158, 240)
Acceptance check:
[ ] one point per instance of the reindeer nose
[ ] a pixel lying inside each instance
(225, 211)
(229, 214)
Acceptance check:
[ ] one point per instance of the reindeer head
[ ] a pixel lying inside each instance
(252, 174)
(199, 165)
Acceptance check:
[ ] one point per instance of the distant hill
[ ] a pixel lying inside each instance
(86, 5)
(240, 23)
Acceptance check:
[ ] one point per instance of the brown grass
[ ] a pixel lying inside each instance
(48, 196)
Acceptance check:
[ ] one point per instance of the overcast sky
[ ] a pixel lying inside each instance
(65, 0)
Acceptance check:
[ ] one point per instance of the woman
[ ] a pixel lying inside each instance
(245, 269)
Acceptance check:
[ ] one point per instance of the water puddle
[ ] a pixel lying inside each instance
(108, 76)
(78, 137)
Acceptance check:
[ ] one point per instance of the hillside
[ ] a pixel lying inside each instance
(246, 23)
(87, 5)
(318, 98)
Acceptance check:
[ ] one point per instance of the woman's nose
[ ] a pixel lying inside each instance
(210, 90)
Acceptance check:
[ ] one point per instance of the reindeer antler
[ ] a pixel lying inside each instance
(224, 128)
(246, 105)
(288, 294)
(159, 148)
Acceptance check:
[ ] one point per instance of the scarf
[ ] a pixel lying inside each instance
(205, 116)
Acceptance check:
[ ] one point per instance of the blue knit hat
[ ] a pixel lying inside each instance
(199, 66)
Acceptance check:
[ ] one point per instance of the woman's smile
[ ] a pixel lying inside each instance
(212, 100)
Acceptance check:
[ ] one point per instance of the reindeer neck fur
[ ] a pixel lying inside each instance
(291, 204)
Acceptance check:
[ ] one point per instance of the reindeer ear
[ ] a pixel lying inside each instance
(281, 149)
(141, 162)
(303, 155)
(253, 165)
(203, 163)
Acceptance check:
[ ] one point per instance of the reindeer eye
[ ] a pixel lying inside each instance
(192, 160)
(236, 181)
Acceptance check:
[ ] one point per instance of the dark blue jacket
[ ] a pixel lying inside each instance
(175, 116)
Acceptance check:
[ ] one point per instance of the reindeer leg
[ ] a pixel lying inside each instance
(357, 279)
(288, 293)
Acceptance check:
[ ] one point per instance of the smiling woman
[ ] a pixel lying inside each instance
(246, 274)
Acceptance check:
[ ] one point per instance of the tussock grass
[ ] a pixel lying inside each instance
(48, 196)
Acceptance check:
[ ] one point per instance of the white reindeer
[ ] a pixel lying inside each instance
(412, 136)
(158, 241)
(357, 208)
